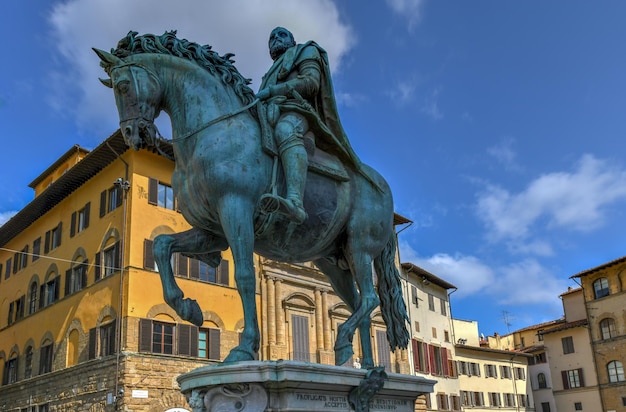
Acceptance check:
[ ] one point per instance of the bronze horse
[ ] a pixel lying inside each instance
(221, 171)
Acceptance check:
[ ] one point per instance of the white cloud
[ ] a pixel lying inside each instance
(403, 90)
(518, 283)
(237, 26)
(6, 216)
(503, 152)
(409, 9)
(431, 105)
(575, 201)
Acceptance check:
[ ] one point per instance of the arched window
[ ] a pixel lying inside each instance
(28, 363)
(616, 371)
(541, 380)
(32, 298)
(607, 328)
(601, 287)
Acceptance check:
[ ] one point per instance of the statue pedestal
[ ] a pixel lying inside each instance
(285, 386)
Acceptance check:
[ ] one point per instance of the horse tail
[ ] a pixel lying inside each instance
(390, 293)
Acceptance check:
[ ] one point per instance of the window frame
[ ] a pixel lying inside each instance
(601, 288)
(607, 328)
(568, 345)
(615, 371)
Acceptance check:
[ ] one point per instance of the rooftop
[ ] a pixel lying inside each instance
(411, 268)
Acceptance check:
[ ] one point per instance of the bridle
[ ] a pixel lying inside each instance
(134, 113)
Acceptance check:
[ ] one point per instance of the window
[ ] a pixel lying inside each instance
(414, 296)
(442, 402)
(541, 381)
(573, 378)
(522, 400)
(540, 336)
(28, 363)
(80, 220)
(466, 398)
(434, 332)
(479, 399)
(519, 373)
(36, 248)
(601, 288)
(540, 358)
(111, 257)
(505, 372)
(431, 302)
(509, 399)
(568, 345)
(20, 259)
(45, 358)
(444, 310)
(110, 199)
(446, 336)
(420, 356)
(607, 328)
(49, 291)
(455, 403)
(162, 338)
(494, 399)
(10, 371)
(578, 406)
(32, 298)
(76, 278)
(417, 326)
(300, 338)
(7, 273)
(44, 408)
(16, 310)
(209, 344)
(491, 371)
(102, 339)
(382, 344)
(160, 194)
(545, 406)
(53, 238)
(616, 371)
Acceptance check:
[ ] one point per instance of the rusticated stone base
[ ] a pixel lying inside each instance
(286, 386)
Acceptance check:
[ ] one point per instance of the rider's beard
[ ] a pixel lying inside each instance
(278, 48)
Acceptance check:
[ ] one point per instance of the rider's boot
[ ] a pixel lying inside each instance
(295, 162)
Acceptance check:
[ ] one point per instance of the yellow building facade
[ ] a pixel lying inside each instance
(83, 322)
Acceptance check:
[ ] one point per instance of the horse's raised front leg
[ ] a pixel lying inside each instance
(343, 284)
(195, 242)
(237, 222)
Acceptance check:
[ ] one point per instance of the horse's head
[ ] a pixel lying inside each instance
(137, 95)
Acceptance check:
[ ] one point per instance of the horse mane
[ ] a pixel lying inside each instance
(169, 44)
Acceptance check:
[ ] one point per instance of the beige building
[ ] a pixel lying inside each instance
(490, 378)
(574, 382)
(605, 303)
(432, 343)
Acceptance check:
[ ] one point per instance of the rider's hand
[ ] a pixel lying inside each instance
(263, 94)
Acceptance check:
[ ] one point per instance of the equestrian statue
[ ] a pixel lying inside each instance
(271, 173)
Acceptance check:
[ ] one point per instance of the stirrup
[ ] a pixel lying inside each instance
(270, 203)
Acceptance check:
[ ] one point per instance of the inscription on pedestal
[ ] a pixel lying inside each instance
(318, 401)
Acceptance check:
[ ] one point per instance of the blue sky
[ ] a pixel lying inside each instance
(500, 125)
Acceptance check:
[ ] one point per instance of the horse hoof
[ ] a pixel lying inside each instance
(193, 313)
(238, 355)
(343, 354)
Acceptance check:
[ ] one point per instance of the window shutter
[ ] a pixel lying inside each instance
(118, 198)
(98, 267)
(59, 233)
(223, 273)
(83, 273)
(42, 295)
(68, 276)
(73, 225)
(103, 203)
(153, 191)
(46, 245)
(113, 340)
(183, 262)
(416, 358)
(10, 318)
(194, 269)
(565, 379)
(57, 287)
(23, 302)
(444, 361)
(92, 343)
(581, 378)
(117, 253)
(145, 335)
(148, 255)
(87, 212)
(431, 360)
(214, 344)
(183, 339)
(16, 262)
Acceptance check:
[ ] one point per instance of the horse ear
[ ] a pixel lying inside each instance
(108, 58)
(107, 82)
